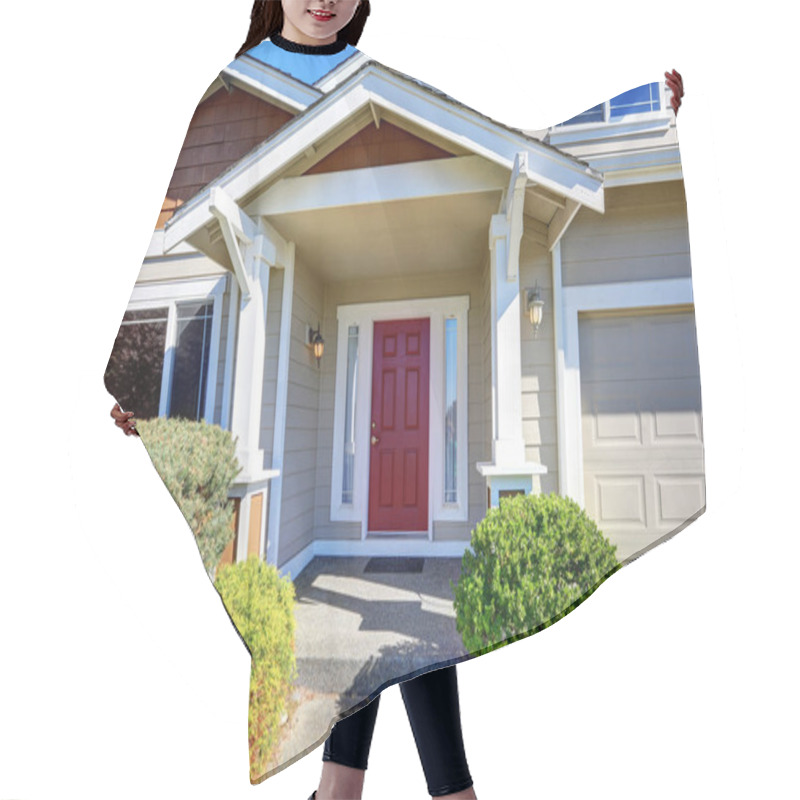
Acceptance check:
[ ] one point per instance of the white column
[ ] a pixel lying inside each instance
(281, 403)
(508, 471)
(250, 347)
(565, 435)
(508, 445)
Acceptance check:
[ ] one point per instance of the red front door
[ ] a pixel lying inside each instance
(398, 472)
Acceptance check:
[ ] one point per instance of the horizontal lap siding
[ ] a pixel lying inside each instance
(643, 235)
(300, 448)
(448, 531)
(480, 394)
(324, 527)
(539, 424)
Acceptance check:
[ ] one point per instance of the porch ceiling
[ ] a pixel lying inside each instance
(411, 237)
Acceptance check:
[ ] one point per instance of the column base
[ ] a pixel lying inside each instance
(253, 492)
(505, 480)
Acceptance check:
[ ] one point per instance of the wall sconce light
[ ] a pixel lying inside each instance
(535, 308)
(316, 343)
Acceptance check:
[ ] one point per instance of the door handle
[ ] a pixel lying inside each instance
(374, 439)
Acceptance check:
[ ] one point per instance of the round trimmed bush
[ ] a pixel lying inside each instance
(532, 561)
(261, 605)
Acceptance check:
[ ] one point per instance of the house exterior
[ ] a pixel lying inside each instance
(416, 238)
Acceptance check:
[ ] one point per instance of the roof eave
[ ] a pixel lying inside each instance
(422, 105)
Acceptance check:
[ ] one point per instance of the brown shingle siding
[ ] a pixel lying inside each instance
(223, 128)
(375, 147)
(202, 134)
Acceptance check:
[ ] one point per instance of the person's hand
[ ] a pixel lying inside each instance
(124, 420)
(675, 85)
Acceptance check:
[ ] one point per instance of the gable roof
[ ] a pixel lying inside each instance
(375, 90)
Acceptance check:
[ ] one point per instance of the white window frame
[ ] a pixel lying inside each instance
(365, 315)
(168, 294)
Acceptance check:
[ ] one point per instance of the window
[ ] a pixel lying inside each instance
(635, 101)
(349, 450)
(450, 410)
(164, 356)
(136, 365)
(190, 367)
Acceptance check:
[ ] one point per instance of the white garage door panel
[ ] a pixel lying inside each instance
(642, 425)
(620, 499)
(679, 497)
(677, 426)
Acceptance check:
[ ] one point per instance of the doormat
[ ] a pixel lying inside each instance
(390, 564)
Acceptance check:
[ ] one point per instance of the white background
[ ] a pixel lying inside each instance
(120, 675)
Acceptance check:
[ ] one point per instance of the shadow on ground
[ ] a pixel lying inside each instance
(359, 632)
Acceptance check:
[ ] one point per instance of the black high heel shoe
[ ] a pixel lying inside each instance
(313, 795)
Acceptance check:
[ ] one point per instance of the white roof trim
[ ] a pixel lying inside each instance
(274, 86)
(423, 107)
(547, 166)
(631, 177)
(271, 84)
(642, 166)
(627, 127)
(338, 75)
(408, 181)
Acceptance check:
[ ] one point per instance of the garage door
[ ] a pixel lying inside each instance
(642, 424)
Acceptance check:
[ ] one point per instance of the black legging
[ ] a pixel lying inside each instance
(432, 707)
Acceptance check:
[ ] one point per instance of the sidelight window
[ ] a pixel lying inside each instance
(349, 450)
(451, 410)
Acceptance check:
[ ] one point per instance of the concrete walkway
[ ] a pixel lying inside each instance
(359, 631)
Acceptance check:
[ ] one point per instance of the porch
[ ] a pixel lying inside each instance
(384, 204)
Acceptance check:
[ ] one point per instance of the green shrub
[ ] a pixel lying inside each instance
(197, 463)
(533, 560)
(261, 605)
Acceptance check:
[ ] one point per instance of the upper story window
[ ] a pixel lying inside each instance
(635, 101)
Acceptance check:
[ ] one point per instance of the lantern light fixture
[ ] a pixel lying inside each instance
(316, 343)
(535, 308)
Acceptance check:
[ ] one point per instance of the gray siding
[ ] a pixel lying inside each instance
(539, 427)
(479, 391)
(643, 235)
(300, 451)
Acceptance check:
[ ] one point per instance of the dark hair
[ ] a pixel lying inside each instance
(266, 19)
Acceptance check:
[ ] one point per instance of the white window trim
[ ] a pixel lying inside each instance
(365, 315)
(169, 294)
(623, 296)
